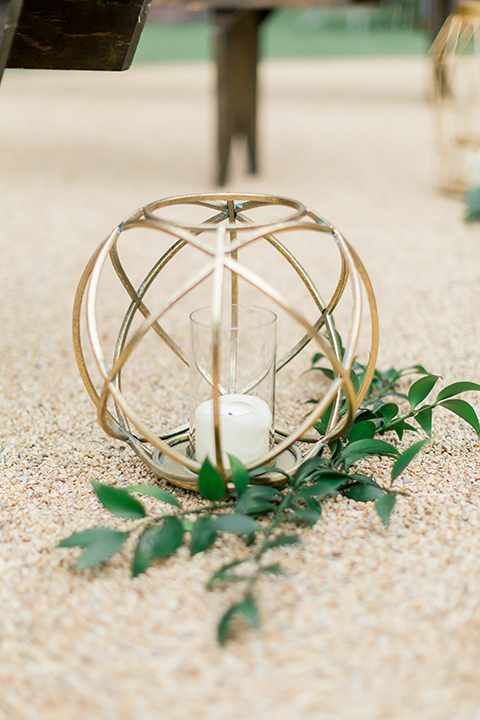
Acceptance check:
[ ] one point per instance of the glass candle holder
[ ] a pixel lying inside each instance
(232, 384)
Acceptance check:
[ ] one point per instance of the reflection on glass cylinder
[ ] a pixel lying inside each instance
(237, 355)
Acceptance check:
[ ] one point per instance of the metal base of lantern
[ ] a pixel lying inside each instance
(176, 473)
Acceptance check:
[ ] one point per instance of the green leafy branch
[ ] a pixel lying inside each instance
(268, 518)
(378, 413)
(472, 201)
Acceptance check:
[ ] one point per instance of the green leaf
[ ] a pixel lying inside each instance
(316, 357)
(225, 574)
(257, 499)
(203, 535)
(405, 458)
(170, 537)
(310, 514)
(265, 492)
(274, 569)
(328, 372)
(362, 430)
(365, 415)
(464, 410)
(355, 380)
(322, 424)
(335, 447)
(369, 447)
(118, 501)
(144, 554)
(240, 477)
(282, 540)
(210, 482)
(236, 523)
(99, 545)
(472, 199)
(424, 419)
(308, 469)
(157, 541)
(388, 411)
(365, 492)
(156, 492)
(455, 389)
(400, 426)
(224, 629)
(384, 507)
(322, 487)
(420, 389)
(84, 538)
(415, 368)
(363, 448)
(247, 609)
(257, 507)
(257, 472)
(325, 474)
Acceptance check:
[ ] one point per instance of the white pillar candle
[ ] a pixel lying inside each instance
(245, 422)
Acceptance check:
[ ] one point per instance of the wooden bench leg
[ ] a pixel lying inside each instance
(237, 57)
(440, 10)
(9, 14)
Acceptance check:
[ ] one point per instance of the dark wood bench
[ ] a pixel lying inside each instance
(103, 35)
(70, 34)
(237, 26)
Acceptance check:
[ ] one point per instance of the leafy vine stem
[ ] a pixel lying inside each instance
(266, 517)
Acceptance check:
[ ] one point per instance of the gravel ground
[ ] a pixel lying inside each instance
(368, 623)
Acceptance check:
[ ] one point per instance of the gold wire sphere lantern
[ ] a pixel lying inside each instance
(456, 78)
(226, 251)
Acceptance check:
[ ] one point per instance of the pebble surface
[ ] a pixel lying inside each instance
(368, 623)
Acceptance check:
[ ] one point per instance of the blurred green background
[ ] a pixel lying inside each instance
(317, 32)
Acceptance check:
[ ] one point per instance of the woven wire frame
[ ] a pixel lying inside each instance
(233, 230)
